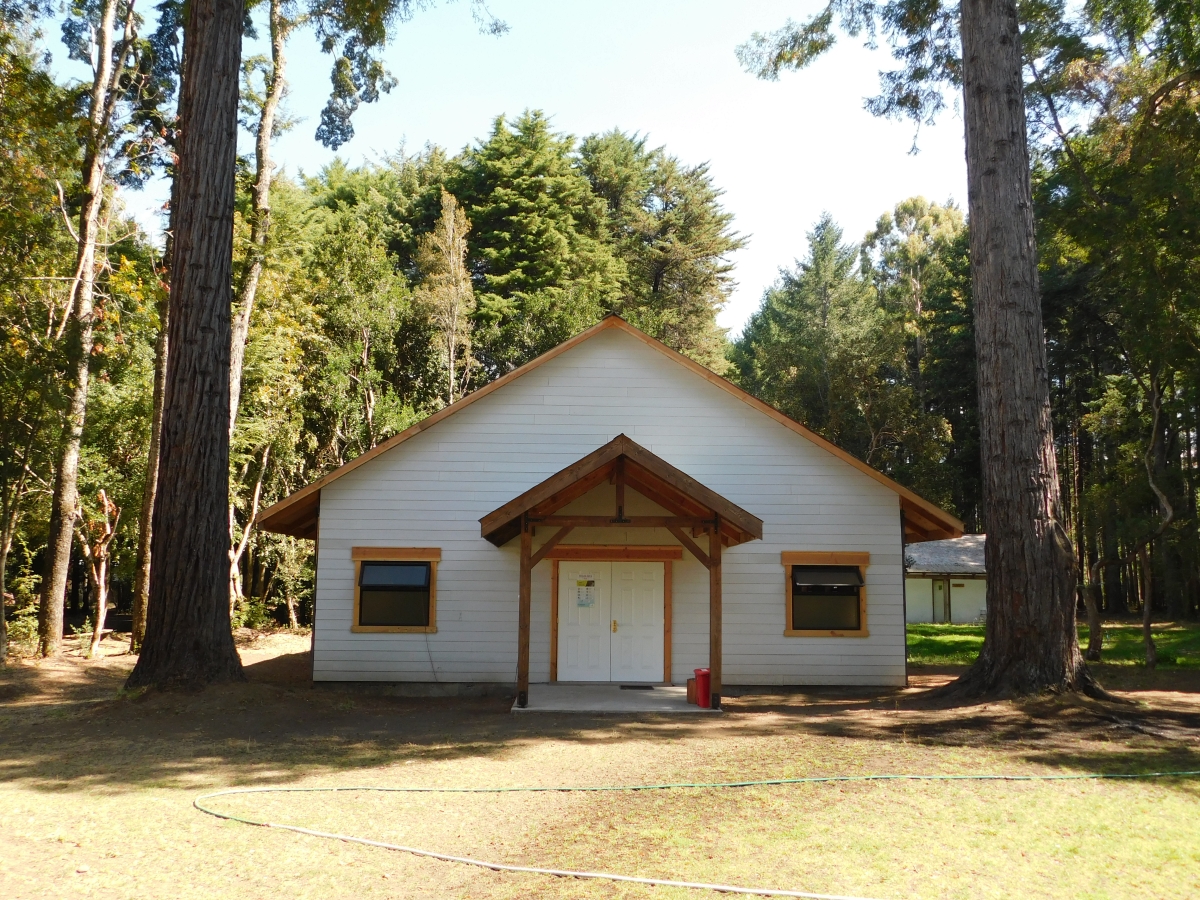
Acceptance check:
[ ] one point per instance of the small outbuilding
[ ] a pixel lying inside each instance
(610, 512)
(946, 581)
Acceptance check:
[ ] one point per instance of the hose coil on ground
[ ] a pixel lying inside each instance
(611, 876)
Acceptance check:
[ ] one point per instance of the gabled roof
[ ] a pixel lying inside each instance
(960, 556)
(627, 461)
(297, 514)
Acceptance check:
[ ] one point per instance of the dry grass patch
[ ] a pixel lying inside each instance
(96, 792)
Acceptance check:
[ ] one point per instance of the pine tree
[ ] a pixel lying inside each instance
(543, 268)
(673, 238)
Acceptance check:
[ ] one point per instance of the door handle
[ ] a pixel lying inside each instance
(614, 626)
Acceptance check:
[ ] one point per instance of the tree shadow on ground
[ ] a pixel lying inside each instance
(66, 725)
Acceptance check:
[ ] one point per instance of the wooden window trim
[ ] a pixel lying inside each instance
(791, 558)
(431, 555)
(397, 554)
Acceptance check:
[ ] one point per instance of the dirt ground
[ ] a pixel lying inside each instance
(96, 789)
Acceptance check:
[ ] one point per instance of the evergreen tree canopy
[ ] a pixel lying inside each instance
(542, 265)
(673, 238)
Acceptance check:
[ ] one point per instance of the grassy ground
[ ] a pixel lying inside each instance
(1178, 644)
(96, 787)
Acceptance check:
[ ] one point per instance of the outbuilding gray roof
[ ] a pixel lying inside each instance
(958, 556)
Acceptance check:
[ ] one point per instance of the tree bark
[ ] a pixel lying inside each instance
(188, 639)
(102, 102)
(10, 528)
(141, 584)
(1147, 606)
(1030, 642)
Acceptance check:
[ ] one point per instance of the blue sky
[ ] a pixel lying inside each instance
(783, 152)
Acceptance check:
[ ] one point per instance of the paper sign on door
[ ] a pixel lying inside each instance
(585, 590)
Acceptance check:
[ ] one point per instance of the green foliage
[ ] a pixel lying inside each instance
(1119, 228)
(672, 238)
(83, 634)
(544, 269)
(23, 633)
(839, 345)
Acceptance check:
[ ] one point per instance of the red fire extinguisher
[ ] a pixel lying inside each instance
(704, 688)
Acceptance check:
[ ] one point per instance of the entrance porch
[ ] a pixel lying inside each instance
(595, 628)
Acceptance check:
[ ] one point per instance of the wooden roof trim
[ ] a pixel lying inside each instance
(558, 484)
(729, 387)
(952, 525)
(746, 522)
(593, 468)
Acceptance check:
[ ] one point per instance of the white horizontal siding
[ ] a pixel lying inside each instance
(433, 489)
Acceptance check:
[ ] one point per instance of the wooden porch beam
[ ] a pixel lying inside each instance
(525, 593)
(691, 546)
(554, 541)
(715, 616)
(627, 522)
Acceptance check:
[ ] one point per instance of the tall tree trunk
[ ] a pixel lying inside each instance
(141, 581)
(106, 82)
(237, 548)
(1091, 587)
(10, 528)
(1030, 642)
(13, 495)
(188, 639)
(1147, 606)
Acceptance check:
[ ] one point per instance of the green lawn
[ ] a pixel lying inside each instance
(958, 645)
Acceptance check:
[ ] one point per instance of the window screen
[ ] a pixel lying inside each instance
(826, 598)
(394, 594)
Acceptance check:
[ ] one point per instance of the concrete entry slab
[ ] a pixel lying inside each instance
(607, 698)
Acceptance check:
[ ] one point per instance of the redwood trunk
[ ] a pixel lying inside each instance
(1030, 641)
(188, 639)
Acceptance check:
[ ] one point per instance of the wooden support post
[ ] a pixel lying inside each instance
(619, 472)
(668, 612)
(554, 620)
(714, 613)
(526, 592)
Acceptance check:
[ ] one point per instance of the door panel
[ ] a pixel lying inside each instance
(637, 611)
(584, 595)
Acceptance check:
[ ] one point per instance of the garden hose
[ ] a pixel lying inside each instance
(611, 876)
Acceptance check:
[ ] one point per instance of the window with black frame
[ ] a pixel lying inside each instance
(826, 598)
(394, 594)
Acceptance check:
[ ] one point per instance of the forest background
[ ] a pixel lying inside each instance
(368, 297)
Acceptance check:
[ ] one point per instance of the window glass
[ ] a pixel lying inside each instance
(826, 598)
(394, 575)
(394, 594)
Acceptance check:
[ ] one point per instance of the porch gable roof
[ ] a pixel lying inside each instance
(624, 460)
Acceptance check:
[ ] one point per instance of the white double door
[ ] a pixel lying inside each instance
(610, 621)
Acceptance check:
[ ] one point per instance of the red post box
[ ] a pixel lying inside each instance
(704, 688)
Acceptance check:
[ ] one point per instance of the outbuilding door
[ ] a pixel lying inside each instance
(610, 621)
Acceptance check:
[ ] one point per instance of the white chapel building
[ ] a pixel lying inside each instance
(610, 512)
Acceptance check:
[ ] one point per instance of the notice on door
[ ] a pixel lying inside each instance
(585, 590)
